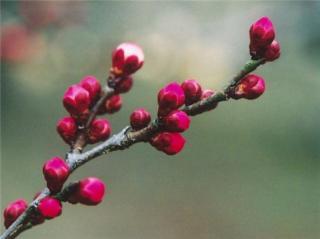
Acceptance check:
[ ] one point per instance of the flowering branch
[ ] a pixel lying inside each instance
(86, 100)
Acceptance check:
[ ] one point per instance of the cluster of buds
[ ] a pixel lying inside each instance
(86, 99)
(80, 101)
(171, 118)
(262, 40)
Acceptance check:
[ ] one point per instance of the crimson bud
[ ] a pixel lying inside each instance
(13, 211)
(67, 129)
(100, 129)
(56, 172)
(92, 85)
(176, 121)
(50, 207)
(192, 91)
(167, 142)
(76, 100)
(250, 87)
(127, 58)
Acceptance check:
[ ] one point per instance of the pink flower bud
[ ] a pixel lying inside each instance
(192, 91)
(124, 85)
(127, 58)
(56, 172)
(76, 100)
(250, 87)
(50, 207)
(170, 97)
(272, 51)
(90, 191)
(176, 121)
(113, 104)
(167, 142)
(100, 130)
(92, 85)
(139, 119)
(13, 211)
(262, 32)
(67, 129)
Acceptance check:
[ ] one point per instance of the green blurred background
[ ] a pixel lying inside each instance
(250, 169)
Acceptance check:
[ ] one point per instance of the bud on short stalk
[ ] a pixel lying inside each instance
(13, 211)
(113, 104)
(99, 130)
(123, 85)
(167, 142)
(262, 32)
(176, 121)
(89, 191)
(250, 87)
(192, 91)
(170, 97)
(139, 119)
(50, 207)
(127, 58)
(67, 129)
(76, 100)
(56, 172)
(92, 85)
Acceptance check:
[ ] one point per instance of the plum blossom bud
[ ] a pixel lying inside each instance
(50, 207)
(92, 85)
(262, 32)
(250, 87)
(192, 91)
(113, 104)
(56, 172)
(176, 121)
(139, 119)
(90, 191)
(167, 142)
(272, 51)
(76, 100)
(13, 211)
(124, 85)
(67, 129)
(170, 97)
(99, 130)
(127, 58)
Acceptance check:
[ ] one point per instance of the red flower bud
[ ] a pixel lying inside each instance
(90, 191)
(100, 129)
(13, 211)
(50, 207)
(76, 100)
(92, 85)
(124, 85)
(170, 97)
(67, 129)
(250, 87)
(272, 51)
(127, 58)
(176, 121)
(113, 104)
(167, 142)
(262, 32)
(139, 118)
(192, 91)
(56, 172)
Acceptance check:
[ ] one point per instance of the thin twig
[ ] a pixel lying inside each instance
(124, 139)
